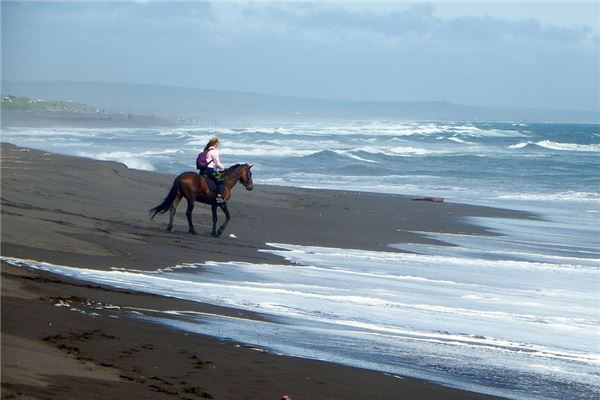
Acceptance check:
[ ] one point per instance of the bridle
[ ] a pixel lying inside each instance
(244, 181)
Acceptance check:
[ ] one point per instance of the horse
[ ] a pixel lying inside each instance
(194, 187)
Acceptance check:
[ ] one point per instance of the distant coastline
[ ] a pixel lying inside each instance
(194, 104)
(21, 111)
(54, 119)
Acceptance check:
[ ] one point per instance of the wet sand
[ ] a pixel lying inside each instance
(94, 214)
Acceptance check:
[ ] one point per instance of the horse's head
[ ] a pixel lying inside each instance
(246, 176)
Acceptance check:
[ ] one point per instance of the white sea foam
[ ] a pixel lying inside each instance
(377, 128)
(266, 151)
(452, 308)
(520, 145)
(290, 252)
(491, 133)
(400, 150)
(271, 149)
(355, 157)
(548, 144)
(558, 196)
(458, 140)
(132, 160)
(568, 146)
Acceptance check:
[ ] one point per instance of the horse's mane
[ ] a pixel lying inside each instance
(236, 166)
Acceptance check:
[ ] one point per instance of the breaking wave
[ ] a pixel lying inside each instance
(550, 145)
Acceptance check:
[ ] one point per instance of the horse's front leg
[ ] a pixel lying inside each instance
(227, 218)
(214, 220)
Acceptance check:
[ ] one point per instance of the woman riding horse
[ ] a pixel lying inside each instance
(209, 165)
(194, 187)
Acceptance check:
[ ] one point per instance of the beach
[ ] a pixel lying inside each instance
(397, 229)
(66, 338)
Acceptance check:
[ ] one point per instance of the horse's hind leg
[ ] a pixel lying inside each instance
(188, 214)
(227, 218)
(172, 210)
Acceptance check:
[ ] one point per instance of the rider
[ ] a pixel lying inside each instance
(215, 168)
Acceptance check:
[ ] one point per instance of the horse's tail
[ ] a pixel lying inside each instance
(167, 202)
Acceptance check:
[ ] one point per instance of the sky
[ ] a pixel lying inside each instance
(510, 54)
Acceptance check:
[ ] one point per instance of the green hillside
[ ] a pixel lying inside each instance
(27, 104)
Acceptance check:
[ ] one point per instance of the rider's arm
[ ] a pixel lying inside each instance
(216, 160)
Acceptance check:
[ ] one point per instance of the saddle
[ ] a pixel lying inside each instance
(211, 182)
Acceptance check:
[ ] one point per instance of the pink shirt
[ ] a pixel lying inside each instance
(212, 158)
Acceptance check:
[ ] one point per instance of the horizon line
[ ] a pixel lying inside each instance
(530, 108)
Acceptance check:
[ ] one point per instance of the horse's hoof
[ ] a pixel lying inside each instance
(214, 234)
(170, 229)
(193, 232)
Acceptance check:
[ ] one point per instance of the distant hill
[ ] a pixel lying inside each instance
(27, 104)
(189, 104)
(25, 111)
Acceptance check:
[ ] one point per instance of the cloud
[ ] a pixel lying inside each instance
(341, 20)
(348, 50)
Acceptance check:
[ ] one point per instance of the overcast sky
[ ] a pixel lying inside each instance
(536, 54)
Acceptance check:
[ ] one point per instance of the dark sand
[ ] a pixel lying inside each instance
(85, 213)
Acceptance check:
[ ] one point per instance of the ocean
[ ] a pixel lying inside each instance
(516, 314)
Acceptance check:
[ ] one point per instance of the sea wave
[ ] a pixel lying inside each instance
(559, 196)
(493, 133)
(389, 308)
(302, 254)
(356, 157)
(395, 184)
(520, 145)
(373, 128)
(456, 139)
(131, 160)
(550, 145)
(400, 150)
(568, 146)
(264, 151)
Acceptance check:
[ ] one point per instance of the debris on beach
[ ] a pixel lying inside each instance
(428, 198)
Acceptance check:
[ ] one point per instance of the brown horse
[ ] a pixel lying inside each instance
(194, 187)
